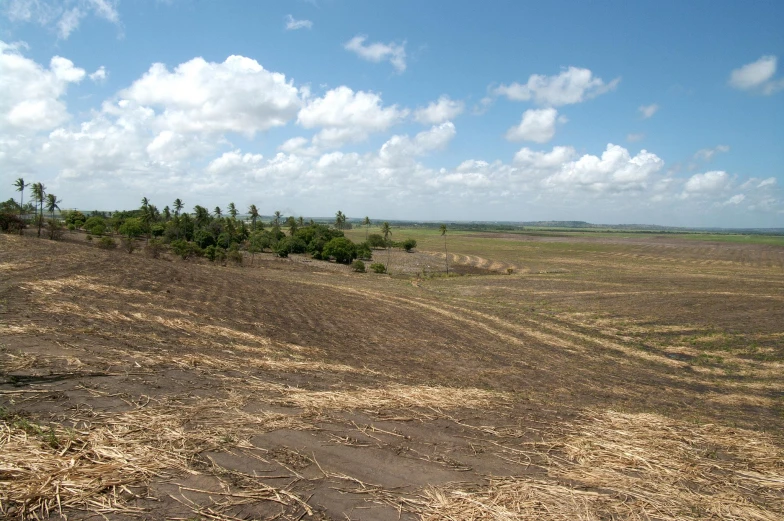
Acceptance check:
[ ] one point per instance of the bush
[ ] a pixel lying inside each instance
(235, 256)
(375, 240)
(56, 229)
(106, 243)
(409, 244)
(71, 227)
(342, 249)
(10, 222)
(129, 245)
(132, 227)
(154, 248)
(377, 267)
(358, 266)
(95, 225)
(186, 249)
(364, 252)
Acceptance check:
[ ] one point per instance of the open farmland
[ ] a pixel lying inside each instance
(561, 376)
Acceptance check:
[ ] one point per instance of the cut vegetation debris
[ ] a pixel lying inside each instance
(633, 466)
(93, 465)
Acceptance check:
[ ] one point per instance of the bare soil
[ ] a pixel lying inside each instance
(138, 388)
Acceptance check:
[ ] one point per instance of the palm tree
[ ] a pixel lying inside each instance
(386, 230)
(20, 186)
(292, 224)
(177, 207)
(217, 212)
(201, 215)
(366, 222)
(446, 254)
(166, 213)
(233, 211)
(52, 204)
(276, 219)
(301, 221)
(39, 194)
(254, 214)
(340, 220)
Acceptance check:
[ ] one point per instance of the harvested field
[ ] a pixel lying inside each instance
(604, 378)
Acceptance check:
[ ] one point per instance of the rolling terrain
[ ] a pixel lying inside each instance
(555, 377)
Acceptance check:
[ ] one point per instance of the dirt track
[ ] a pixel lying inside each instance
(288, 389)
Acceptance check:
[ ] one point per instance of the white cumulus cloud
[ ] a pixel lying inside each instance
(572, 85)
(347, 116)
(709, 182)
(64, 15)
(292, 24)
(30, 95)
(238, 95)
(436, 112)
(378, 52)
(757, 76)
(706, 154)
(537, 125)
(646, 111)
(99, 75)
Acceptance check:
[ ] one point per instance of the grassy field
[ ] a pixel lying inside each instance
(554, 376)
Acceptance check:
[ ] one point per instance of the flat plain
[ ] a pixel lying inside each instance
(552, 375)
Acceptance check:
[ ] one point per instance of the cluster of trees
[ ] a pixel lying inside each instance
(14, 215)
(217, 235)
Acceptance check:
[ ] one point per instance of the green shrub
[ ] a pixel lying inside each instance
(154, 248)
(364, 252)
(129, 245)
(342, 249)
(106, 243)
(235, 256)
(55, 229)
(358, 266)
(377, 267)
(375, 240)
(10, 222)
(409, 244)
(186, 249)
(95, 225)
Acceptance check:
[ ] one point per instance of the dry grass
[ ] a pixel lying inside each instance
(632, 466)
(396, 397)
(90, 467)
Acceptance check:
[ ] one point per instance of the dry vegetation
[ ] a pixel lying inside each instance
(606, 378)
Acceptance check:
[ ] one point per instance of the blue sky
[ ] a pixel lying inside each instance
(610, 112)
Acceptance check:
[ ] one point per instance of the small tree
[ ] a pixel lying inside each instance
(409, 244)
(377, 267)
(95, 225)
(342, 249)
(446, 253)
(358, 266)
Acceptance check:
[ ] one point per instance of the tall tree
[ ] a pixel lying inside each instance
(52, 204)
(366, 222)
(276, 218)
(217, 212)
(233, 211)
(39, 195)
(20, 187)
(166, 213)
(386, 231)
(177, 207)
(291, 222)
(446, 253)
(340, 220)
(201, 215)
(301, 221)
(254, 215)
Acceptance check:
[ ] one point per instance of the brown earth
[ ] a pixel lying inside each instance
(603, 381)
